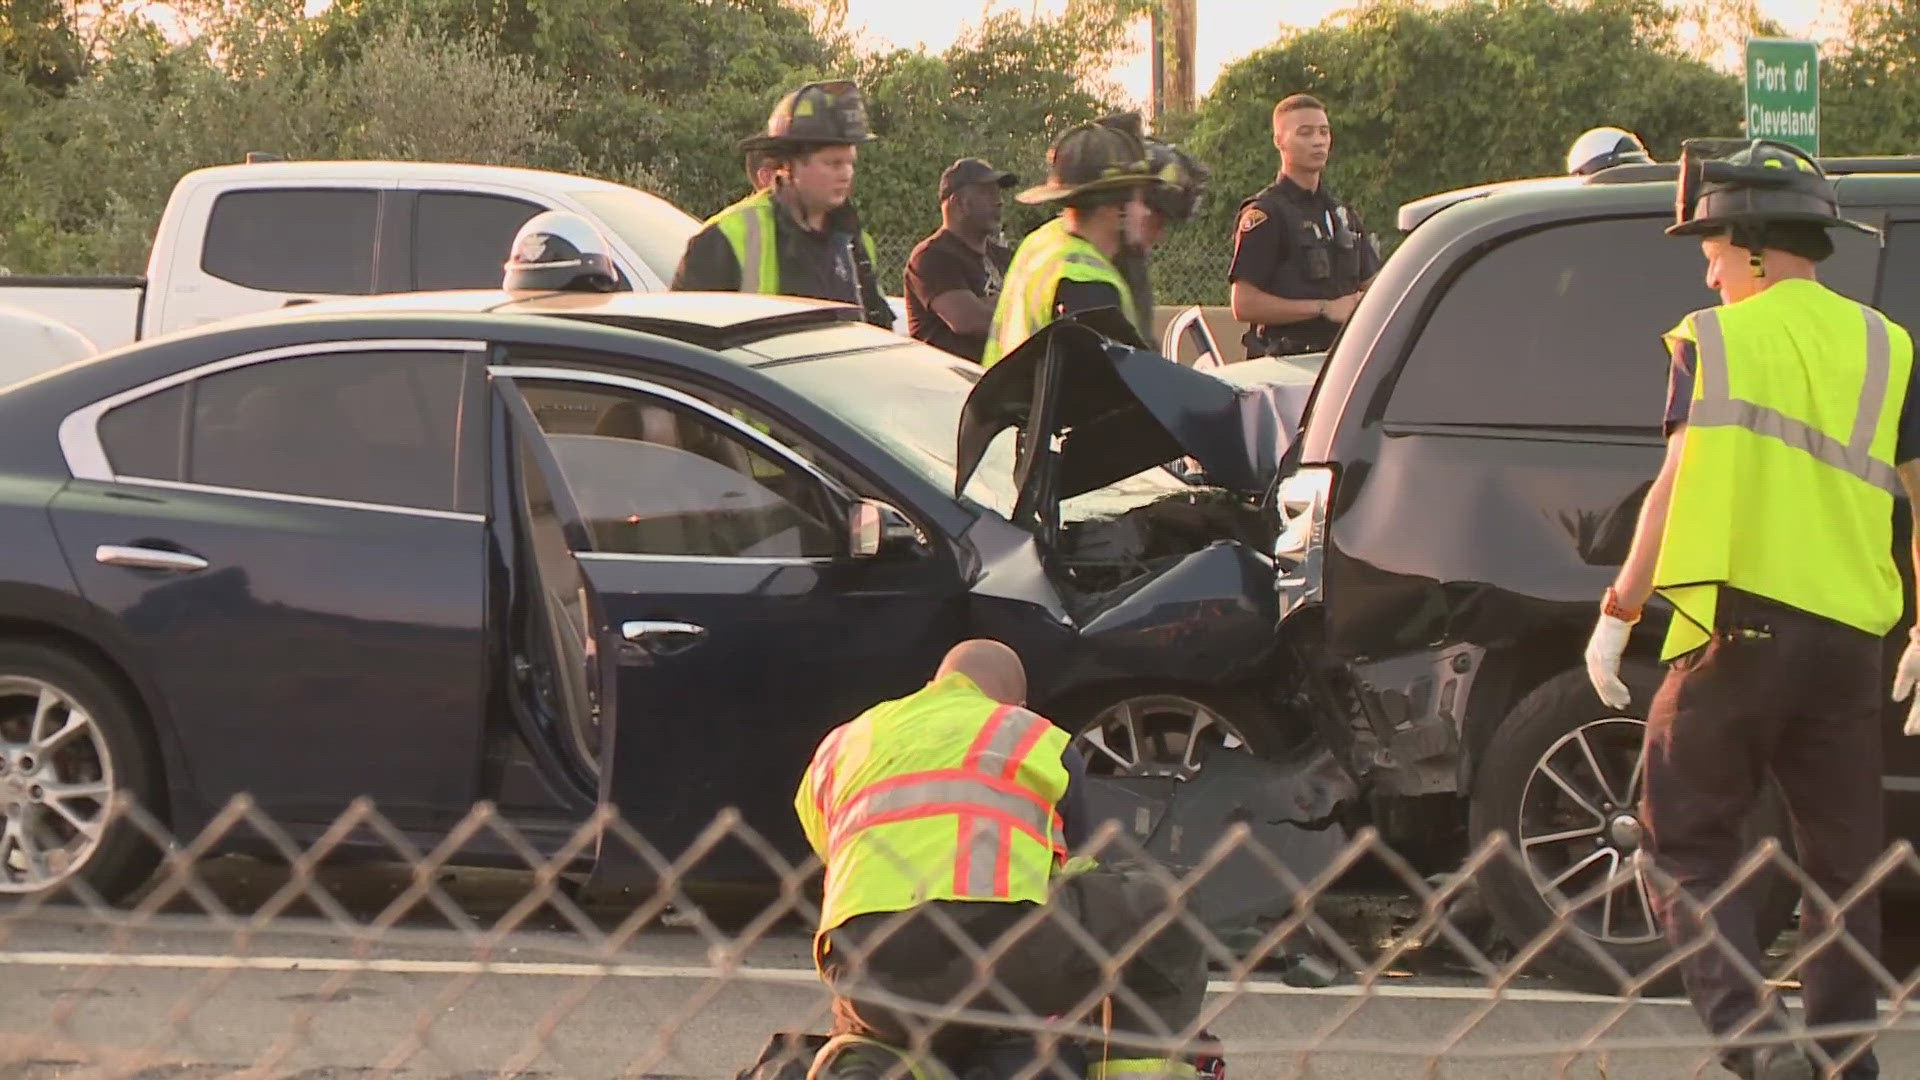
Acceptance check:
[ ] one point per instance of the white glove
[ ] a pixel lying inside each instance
(1609, 640)
(1904, 678)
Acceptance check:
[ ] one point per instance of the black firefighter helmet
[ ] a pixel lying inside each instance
(818, 114)
(1181, 185)
(557, 251)
(1744, 186)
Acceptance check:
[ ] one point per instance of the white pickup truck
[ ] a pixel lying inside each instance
(238, 239)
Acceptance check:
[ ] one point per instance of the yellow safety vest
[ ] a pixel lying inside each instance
(1786, 480)
(944, 794)
(1049, 255)
(752, 233)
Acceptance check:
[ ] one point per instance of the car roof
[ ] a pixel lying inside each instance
(717, 321)
(1646, 178)
(404, 172)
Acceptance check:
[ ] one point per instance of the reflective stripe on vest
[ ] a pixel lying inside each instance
(1049, 255)
(944, 794)
(1166, 1067)
(1715, 406)
(754, 236)
(749, 228)
(987, 803)
(1786, 480)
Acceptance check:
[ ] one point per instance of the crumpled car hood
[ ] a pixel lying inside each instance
(1122, 410)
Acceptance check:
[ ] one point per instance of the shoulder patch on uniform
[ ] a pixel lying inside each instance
(1251, 218)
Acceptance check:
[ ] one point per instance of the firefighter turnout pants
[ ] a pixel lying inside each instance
(1040, 968)
(1776, 693)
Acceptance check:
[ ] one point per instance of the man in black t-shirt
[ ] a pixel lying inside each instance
(953, 277)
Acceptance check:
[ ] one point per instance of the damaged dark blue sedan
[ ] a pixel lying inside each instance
(636, 550)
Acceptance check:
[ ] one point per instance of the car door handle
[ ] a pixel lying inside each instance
(662, 638)
(146, 558)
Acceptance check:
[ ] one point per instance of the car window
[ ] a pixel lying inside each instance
(379, 428)
(461, 239)
(1899, 297)
(1558, 328)
(143, 437)
(294, 241)
(654, 477)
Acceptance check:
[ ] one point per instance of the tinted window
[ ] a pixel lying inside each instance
(305, 241)
(1900, 285)
(142, 438)
(651, 477)
(364, 427)
(461, 240)
(1558, 328)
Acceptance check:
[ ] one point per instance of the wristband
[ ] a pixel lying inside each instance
(1610, 606)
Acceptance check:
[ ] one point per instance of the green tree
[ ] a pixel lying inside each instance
(39, 44)
(1870, 81)
(92, 170)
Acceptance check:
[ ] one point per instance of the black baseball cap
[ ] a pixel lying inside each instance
(972, 170)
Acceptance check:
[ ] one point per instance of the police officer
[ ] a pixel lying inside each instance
(1301, 257)
(1100, 176)
(944, 819)
(1180, 186)
(802, 236)
(1792, 426)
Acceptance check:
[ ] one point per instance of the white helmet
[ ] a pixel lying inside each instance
(557, 251)
(1604, 147)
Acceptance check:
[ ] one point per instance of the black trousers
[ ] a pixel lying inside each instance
(1041, 970)
(1777, 691)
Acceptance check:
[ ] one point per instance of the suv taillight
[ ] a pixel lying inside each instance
(1303, 499)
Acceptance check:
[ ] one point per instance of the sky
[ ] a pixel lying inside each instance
(1227, 30)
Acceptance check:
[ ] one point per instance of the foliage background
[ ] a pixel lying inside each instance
(98, 119)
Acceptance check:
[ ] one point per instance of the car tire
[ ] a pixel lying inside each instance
(44, 692)
(1158, 713)
(1546, 731)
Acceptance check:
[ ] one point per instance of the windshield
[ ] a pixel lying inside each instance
(655, 229)
(908, 398)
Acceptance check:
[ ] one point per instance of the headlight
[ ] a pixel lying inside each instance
(1302, 500)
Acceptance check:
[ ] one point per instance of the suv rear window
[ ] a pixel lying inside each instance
(1557, 328)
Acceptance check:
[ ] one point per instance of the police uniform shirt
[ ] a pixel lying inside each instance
(815, 264)
(1276, 258)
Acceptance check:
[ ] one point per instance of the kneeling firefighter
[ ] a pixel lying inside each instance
(942, 819)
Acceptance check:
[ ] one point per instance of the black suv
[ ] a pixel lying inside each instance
(1465, 484)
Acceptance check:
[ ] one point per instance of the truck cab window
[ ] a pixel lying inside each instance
(303, 240)
(460, 238)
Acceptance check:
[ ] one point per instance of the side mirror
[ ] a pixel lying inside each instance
(874, 527)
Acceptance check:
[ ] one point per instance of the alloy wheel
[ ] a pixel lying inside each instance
(56, 785)
(1580, 830)
(1155, 735)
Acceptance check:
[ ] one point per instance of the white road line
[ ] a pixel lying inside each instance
(805, 976)
(795, 976)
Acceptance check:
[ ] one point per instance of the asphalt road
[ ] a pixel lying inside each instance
(181, 993)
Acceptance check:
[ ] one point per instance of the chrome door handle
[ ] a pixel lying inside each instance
(662, 638)
(145, 558)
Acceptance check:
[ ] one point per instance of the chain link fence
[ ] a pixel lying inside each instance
(357, 951)
(1189, 266)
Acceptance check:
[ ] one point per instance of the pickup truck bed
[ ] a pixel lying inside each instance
(105, 309)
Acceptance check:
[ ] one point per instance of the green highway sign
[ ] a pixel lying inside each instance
(1783, 92)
